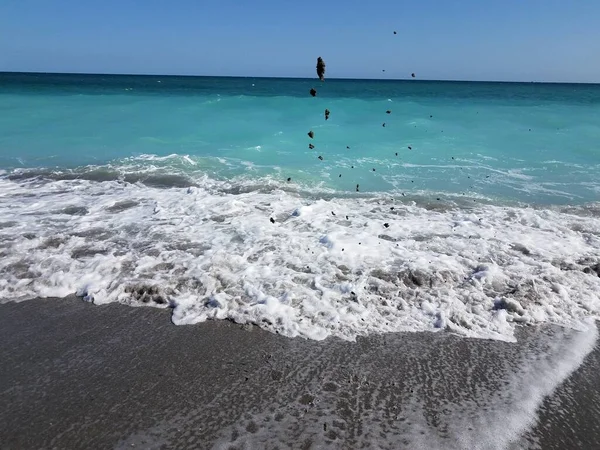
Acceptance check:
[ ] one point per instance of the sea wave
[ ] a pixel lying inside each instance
(295, 260)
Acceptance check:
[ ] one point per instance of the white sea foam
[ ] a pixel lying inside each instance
(210, 251)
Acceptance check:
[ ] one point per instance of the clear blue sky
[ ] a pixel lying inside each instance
(541, 40)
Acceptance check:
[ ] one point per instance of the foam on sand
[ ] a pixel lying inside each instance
(325, 267)
(418, 396)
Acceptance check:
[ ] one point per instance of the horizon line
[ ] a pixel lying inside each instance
(32, 72)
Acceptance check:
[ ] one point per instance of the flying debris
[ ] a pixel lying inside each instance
(272, 220)
(321, 68)
(383, 125)
(412, 75)
(357, 188)
(313, 91)
(327, 114)
(289, 179)
(395, 32)
(386, 225)
(311, 146)
(388, 111)
(320, 157)
(311, 134)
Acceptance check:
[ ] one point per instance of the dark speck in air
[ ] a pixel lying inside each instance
(388, 112)
(321, 68)
(395, 32)
(347, 147)
(340, 176)
(313, 92)
(311, 134)
(383, 125)
(409, 147)
(412, 75)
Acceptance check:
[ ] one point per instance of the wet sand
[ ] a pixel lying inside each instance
(77, 375)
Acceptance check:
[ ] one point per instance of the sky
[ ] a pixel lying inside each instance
(507, 40)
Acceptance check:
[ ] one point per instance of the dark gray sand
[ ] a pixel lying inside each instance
(76, 375)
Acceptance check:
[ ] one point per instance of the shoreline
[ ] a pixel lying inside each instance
(78, 375)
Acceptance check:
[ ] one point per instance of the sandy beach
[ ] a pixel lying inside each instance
(75, 375)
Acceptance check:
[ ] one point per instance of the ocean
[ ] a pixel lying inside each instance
(475, 208)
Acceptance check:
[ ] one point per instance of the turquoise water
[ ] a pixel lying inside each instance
(532, 143)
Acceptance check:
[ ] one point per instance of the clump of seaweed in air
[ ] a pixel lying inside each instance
(321, 68)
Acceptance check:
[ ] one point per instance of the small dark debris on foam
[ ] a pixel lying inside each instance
(387, 225)
(272, 220)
